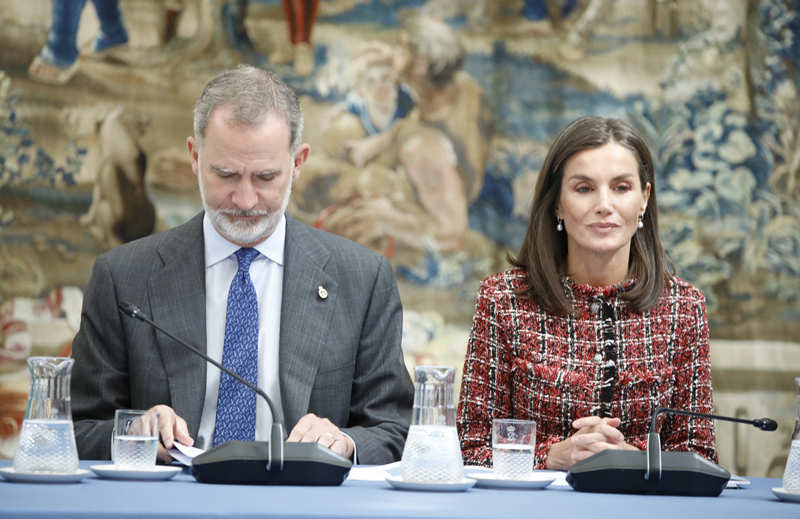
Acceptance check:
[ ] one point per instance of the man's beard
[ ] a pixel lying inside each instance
(244, 232)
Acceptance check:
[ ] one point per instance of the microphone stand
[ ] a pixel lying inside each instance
(654, 440)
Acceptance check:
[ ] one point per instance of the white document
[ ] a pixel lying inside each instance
(561, 480)
(184, 453)
(372, 472)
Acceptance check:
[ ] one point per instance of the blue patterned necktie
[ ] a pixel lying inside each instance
(236, 403)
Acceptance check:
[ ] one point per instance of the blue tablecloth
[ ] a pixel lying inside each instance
(183, 496)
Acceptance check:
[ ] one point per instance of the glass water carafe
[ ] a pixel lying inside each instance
(791, 474)
(432, 453)
(47, 440)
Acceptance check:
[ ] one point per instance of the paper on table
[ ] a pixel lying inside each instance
(561, 480)
(737, 482)
(184, 453)
(372, 472)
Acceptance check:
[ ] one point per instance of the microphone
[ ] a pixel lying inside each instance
(258, 463)
(765, 424)
(653, 471)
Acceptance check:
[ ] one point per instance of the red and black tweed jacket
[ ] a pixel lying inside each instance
(604, 359)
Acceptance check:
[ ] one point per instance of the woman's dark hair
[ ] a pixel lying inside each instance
(544, 250)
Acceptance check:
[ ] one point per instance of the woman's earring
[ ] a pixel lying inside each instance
(559, 225)
(641, 223)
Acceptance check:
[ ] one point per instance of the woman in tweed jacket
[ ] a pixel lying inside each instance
(588, 333)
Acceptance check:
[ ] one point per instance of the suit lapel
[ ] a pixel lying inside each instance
(177, 302)
(305, 317)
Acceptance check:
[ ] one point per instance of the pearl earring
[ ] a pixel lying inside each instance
(641, 223)
(559, 225)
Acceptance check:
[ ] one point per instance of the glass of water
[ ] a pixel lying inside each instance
(134, 439)
(513, 446)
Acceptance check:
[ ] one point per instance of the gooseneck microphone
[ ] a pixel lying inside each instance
(261, 463)
(765, 424)
(654, 440)
(653, 471)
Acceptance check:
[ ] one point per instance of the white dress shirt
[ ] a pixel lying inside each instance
(266, 272)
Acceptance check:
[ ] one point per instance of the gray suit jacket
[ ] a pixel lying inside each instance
(340, 357)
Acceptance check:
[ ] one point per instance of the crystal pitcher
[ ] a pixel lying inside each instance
(791, 474)
(432, 453)
(47, 440)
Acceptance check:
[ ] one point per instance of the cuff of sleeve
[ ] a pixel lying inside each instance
(355, 448)
(543, 449)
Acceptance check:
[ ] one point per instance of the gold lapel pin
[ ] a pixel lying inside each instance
(322, 292)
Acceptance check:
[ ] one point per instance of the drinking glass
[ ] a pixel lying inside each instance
(513, 446)
(134, 439)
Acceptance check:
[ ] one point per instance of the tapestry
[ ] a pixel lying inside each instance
(439, 180)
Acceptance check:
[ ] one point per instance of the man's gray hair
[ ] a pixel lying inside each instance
(250, 93)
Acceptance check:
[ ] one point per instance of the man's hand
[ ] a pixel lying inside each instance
(172, 428)
(594, 434)
(312, 428)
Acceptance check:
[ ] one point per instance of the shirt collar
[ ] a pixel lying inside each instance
(218, 248)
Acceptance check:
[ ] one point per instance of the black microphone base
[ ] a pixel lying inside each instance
(245, 463)
(616, 471)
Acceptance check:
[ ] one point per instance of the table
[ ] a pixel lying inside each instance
(184, 497)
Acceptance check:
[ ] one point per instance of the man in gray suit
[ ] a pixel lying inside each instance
(328, 312)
